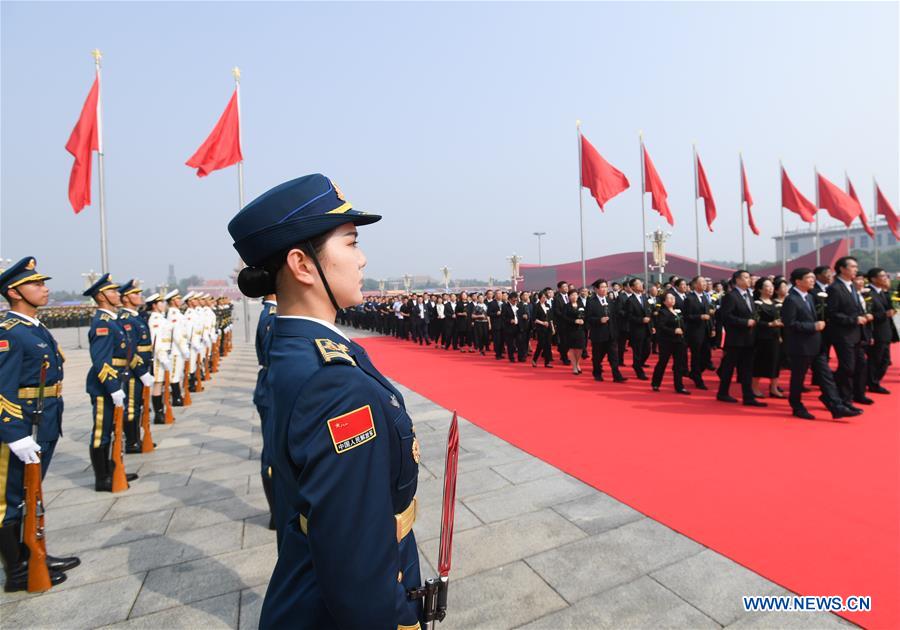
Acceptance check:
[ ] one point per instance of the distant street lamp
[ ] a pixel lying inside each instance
(446, 271)
(539, 235)
(407, 281)
(659, 251)
(514, 261)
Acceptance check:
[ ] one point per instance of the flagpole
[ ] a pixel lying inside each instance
(236, 72)
(846, 188)
(816, 184)
(875, 217)
(643, 213)
(696, 213)
(743, 222)
(783, 244)
(104, 254)
(580, 206)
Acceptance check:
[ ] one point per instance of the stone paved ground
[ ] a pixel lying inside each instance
(186, 546)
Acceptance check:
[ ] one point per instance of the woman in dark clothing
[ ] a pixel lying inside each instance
(670, 336)
(464, 323)
(768, 338)
(574, 317)
(543, 328)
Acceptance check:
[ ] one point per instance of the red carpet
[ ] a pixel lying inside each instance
(813, 506)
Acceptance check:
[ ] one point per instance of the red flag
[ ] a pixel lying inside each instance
(747, 198)
(705, 192)
(603, 179)
(887, 211)
(862, 215)
(653, 185)
(793, 199)
(839, 204)
(223, 146)
(82, 143)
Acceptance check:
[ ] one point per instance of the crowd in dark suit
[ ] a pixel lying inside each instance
(764, 325)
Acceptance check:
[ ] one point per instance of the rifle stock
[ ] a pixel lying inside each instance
(119, 482)
(186, 386)
(167, 399)
(147, 441)
(33, 531)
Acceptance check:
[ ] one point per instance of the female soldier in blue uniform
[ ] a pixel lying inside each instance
(344, 454)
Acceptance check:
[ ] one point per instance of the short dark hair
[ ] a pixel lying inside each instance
(695, 278)
(818, 271)
(842, 262)
(560, 283)
(598, 282)
(513, 294)
(633, 282)
(873, 272)
(799, 273)
(737, 274)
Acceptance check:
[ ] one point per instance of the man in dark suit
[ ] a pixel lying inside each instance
(638, 311)
(623, 327)
(494, 306)
(737, 315)
(560, 300)
(511, 315)
(846, 315)
(695, 312)
(679, 290)
(803, 336)
(879, 300)
(600, 316)
(824, 278)
(526, 310)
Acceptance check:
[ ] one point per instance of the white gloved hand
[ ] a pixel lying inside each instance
(197, 348)
(118, 398)
(26, 449)
(147, 379)
(166, 364)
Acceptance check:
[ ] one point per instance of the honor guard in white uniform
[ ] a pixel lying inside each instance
(180, 340)
(161, 335)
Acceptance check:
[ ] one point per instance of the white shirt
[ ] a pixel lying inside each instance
(328, 325)
(33, 320)
(515, 310)
(440, 310)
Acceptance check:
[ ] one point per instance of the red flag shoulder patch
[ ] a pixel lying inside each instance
(102, 331)
(4, 345)
(352, 429)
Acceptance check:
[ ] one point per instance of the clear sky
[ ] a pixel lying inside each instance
(456, 121)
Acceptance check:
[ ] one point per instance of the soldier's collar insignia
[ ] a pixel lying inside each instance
(394, 401)
(334, 352)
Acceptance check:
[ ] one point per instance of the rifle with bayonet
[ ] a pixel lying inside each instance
(434, 591)
(33, 521)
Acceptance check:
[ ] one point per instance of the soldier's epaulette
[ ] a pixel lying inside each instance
(334, 353)
(104, 317)
(12, 322)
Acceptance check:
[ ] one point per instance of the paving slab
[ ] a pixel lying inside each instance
(215, 612)
(714, 584)
(598, 563)
(204, 578)
(640, 604)
(504, 597)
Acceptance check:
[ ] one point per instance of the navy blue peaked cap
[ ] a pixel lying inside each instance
(289, 214)
(105, 282)
(20, 273)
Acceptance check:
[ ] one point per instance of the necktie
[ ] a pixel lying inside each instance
(747, 300)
